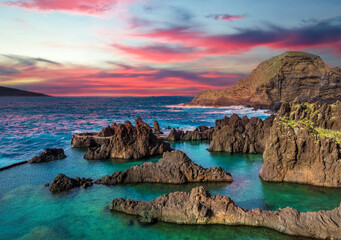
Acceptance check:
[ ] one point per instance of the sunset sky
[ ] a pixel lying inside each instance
(155, 47)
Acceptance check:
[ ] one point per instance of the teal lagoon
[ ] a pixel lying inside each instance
(29, 211)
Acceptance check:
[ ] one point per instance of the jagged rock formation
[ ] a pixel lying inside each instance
(63, 183)
(50, 154)
(200, 133)
(240, 135)
(278, 80)
(174, 167)
(304, 145)
(128, 142)
(199, 207)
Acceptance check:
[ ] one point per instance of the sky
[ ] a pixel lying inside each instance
(155, 47)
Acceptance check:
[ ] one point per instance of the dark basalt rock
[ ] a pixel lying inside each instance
(200, 207)
(304, 145)
(50, 154)
(174, 167)
(129, 142)
(90, 139)
(64, 183)
(240, 135)
(201, 133)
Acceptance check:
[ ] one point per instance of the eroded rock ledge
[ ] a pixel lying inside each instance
(174, 167)
(199, 207)
(304, 145)
(122, 141)
(201, 133)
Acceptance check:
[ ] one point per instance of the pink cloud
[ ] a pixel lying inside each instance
(161, 53)
(53, 78)
(90, 7)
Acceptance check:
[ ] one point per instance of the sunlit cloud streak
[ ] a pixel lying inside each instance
(122, 80)
(89, 7)
(326, 33)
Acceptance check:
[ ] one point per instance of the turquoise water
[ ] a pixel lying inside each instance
(29, 211)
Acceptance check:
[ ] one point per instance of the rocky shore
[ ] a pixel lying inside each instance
(123, 141)
(304, 145)
(174, 167)
(200, 207)
(278, 80)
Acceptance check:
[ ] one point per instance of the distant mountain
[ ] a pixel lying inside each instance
(277, 80)
(13, 92)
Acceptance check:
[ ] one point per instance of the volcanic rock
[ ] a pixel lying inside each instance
(156, 126)
(174, 167)
(63, 183)
(90, 139)
(278, 80)
(240, 135)
(304, 145)
(200, 207)
(200, 133)
(129, 142)
(50, 154)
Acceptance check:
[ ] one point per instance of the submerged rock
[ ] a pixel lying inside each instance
(50, 154)
(200, 207)
(129, 142)
(174, 167)
(240, 135)
(64, 183)
(304, 145)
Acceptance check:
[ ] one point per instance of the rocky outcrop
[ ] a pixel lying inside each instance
(198, 134)
(89, 139)
(304, 145)
(240, 135)
(199, 207)
(63, 183)
(50, 154)
(129, 142)
(278, 80)
(174, 167)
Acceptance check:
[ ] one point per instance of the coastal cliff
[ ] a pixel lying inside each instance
(200, 207)
(304, 145)
(278, 80)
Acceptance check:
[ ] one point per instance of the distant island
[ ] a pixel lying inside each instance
(13, 92)
(277, 80)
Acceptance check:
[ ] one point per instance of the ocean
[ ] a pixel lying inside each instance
(29, 211)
